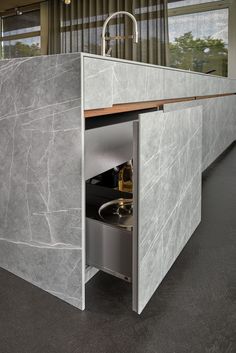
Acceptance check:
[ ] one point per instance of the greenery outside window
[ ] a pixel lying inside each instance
(20, 34)
(198, 36)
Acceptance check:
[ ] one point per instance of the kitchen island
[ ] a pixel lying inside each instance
(66, 118)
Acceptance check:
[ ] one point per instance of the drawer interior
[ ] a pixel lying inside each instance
(106, 147)
(108, 247)
(108, 141)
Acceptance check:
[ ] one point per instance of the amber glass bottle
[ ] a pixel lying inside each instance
(126, 177)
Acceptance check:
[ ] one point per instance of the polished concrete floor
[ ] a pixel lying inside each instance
(193, 311)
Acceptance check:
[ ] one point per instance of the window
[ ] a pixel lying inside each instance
(20, 35)
(180, 3)
(198, 36)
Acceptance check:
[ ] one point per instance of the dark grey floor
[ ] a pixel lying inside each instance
(193, 311)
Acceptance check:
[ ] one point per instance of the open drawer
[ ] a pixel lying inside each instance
(166, 152)
(109, 248)
(109, 146)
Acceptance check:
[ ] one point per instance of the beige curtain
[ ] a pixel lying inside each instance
(78, 26)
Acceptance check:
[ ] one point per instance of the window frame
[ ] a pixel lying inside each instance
(42, 33)
(205, 7)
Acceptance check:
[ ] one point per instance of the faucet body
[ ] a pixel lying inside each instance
(135, 30)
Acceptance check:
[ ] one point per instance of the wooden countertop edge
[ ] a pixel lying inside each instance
(128, 107)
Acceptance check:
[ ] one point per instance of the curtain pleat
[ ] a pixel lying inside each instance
(78, 27)
(54, 13)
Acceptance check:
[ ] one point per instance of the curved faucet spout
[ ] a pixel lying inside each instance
(135, 29)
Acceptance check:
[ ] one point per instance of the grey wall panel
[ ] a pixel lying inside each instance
(98, 83)
(56, 270)
(167, 162)
(136, 83)
(109, 81)
(218, 125)
(41, 174)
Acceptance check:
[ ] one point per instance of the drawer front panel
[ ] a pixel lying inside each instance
(218, 124)
(167, 194)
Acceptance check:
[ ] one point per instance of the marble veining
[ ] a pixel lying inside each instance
(218, 124)
(41, 169)
(127, 82)
(169, 207)
(42, 213)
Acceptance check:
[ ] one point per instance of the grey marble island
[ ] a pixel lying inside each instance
(46, 157)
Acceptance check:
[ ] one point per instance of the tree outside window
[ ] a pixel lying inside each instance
(198, 38)
(199, 54)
